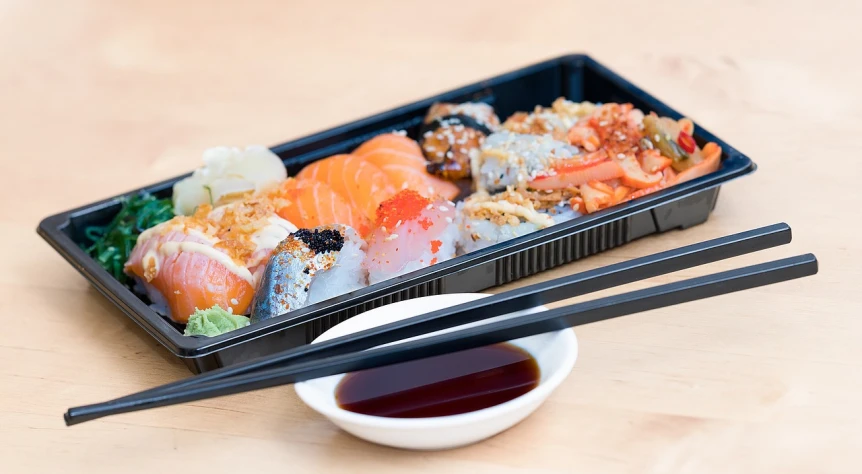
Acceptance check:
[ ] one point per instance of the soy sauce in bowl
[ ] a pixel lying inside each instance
(444, 385)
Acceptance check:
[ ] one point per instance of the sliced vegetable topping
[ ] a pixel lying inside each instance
(686, 142)
(659, 132)
(635, 176)
(570, 177)
(652, 161)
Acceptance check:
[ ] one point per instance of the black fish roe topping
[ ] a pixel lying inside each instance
(320, 241)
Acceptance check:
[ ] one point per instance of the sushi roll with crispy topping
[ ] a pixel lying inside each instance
(485, 219)
(555, 120)
(412, 232)
(309, 266)
(515, 159)
(452, 134)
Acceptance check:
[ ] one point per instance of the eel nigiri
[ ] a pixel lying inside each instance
(358, 181)
(452, 134)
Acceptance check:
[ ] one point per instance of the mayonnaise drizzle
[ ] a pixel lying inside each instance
(171, 248)
(269, 236)
(172, 225)
(506, 207)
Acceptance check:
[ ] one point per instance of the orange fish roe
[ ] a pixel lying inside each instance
(435, 246)
(613, 125)
(433, 261)
(426, 223)
(402, 207)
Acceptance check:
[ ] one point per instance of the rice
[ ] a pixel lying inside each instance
(344, 276)
(480, 233)
(485, 219)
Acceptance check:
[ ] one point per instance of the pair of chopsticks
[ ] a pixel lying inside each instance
(359, 351)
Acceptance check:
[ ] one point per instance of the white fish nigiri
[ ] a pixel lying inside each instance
(411, 232)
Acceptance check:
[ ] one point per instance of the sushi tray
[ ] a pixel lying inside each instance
(263, 249)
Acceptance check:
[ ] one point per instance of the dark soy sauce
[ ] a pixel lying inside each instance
(444, 385)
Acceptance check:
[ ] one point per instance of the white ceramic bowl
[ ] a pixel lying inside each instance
(555, 353)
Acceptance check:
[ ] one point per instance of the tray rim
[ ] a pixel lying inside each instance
(51, 228)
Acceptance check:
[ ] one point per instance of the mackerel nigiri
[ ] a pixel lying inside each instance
(308, 266)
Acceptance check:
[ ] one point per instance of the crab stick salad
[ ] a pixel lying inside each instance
(245, 239)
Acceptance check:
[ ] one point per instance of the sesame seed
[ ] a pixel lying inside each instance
(429, 207)
(398, 223)
(462, 150)
(449, 220)
(443, 208)
(428, 134)
(657, 138)
(431, 190)
(404, 185)
(234, 301)
(403, 133)
(383, 227)
(391, 237)
(449, 154)
(621, 155)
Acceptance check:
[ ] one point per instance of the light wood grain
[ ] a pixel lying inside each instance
(99, 97)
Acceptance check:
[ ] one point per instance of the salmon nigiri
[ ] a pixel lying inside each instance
(214, 257)
(358, 181)
(309, 203)
(402, 160)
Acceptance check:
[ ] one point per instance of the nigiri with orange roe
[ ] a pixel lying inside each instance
(411, 232)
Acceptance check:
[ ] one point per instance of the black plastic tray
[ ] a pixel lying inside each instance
(577, 77)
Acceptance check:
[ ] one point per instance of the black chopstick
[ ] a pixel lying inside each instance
(490, 333)
(511, 301)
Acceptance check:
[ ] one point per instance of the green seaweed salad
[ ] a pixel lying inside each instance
(110, 245)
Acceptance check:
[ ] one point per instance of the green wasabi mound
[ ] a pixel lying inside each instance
(213, 322)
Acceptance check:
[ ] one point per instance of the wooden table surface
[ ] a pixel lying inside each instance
(99, 97)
